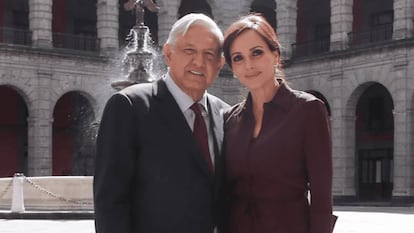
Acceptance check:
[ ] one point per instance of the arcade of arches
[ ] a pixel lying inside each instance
(73, 151)
(73, 139)
(374, 131)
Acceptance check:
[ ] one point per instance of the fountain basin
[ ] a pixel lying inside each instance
(51, 193)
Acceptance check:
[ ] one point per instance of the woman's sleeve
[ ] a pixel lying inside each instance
(318, 150)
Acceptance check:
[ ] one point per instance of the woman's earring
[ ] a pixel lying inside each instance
(278, 71)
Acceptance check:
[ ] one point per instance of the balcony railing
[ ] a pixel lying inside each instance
(375, 35)
(75, 42)
(15, 36)
(310, 47)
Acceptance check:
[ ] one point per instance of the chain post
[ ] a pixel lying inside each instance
(17, 198)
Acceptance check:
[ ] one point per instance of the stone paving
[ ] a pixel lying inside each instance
(374, 220)
(351, 220)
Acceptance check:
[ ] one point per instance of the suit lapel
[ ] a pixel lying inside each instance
(171, 114)
(216, 127)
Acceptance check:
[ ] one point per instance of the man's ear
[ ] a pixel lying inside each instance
(167, 51)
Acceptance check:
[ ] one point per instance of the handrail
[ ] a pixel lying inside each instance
(374, 35)
(311, 47)
(15, 36)
(76, 42)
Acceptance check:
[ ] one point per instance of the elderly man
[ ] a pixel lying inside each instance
(158, 162)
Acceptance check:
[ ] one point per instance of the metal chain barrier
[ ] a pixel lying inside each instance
(6, 189)
(38, 187)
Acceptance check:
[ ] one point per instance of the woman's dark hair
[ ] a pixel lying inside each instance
(254, 22)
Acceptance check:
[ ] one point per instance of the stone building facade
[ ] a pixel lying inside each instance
(353, 54)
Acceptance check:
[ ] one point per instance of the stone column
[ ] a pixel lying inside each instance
(107, 26)
(410, 139)
(40, 128)
(40, 20)
(348, 150)
(403, 19)
(343, 142)
(403, 162)
(286, 14)
(230, 10)
(341, 24)
(166, 18)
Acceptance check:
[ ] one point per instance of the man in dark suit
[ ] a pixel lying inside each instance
(151, 175)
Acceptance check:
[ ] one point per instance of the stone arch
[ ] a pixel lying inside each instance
(320, 96)
(73, 136)
(267, 8)
(13, 131)
(348, 122)
(194, 6)
(85, 91)
(22, 91)
(319, 84)
(364, 149)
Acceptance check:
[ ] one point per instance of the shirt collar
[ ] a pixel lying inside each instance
(183, 100)
(281, 99)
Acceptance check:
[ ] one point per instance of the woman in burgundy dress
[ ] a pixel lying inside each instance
(277, 142)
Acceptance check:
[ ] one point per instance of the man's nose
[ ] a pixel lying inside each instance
(198, 59)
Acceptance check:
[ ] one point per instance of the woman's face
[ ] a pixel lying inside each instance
(252, 60)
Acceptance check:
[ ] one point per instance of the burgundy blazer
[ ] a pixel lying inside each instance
(269, 176)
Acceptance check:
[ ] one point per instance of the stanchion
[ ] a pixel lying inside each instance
(18, 197)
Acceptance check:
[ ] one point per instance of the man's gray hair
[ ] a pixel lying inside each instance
(183, 24)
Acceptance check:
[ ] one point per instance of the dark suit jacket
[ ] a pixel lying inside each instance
(270, 175)
(150, 175)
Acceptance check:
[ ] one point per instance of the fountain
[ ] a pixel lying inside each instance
(139, 56)
(137, 62)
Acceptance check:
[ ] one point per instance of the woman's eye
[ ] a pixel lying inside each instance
(237, 58)
(257, 52)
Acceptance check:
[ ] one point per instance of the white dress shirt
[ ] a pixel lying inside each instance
(184, 103)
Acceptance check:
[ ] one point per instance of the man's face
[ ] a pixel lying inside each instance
(194, 60)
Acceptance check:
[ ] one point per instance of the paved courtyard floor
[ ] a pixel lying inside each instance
(351, 220)
(374, 220)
